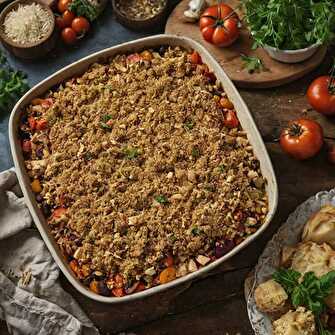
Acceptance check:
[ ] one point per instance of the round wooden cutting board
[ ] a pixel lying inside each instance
(230, 58)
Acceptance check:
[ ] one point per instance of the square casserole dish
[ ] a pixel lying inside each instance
(80, 67)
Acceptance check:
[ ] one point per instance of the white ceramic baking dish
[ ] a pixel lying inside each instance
(78, 68)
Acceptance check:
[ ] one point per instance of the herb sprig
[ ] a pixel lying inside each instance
(253, 64)
(84, 8)
(13, 84)
(288, 24)
(310, 292)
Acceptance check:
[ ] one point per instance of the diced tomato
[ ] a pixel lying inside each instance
(140, 287)
(58, 212)
(168, 261)
(32, 123)
(231, 120)
(26, 146)
(118, 279)
(195, 58)
(41, 124)
(118, 292)
(134, 58)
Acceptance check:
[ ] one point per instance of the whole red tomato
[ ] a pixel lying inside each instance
(220, 25)
(69, 36)
(80, 25)
(321, 95)
(302, 139)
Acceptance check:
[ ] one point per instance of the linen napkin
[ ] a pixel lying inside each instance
(32, 302)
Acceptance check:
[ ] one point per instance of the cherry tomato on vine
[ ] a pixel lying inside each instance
(321, 95)
(69, 36)
(65, 19)
(220, 25)
(63, 5)
(80, 25)
(302, 139)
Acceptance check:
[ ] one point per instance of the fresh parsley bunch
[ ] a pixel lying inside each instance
(13, 84)
(84, 8)
(310, 292)
(290, 24)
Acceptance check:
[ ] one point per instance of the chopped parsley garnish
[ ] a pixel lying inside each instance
(189, 125)
(131, 153)
(195, 152)
(88, 156)
(222, 168)
(195, 231)
(161, 199)
(104, 122)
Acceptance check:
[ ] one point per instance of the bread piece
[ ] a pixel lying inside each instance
(299, 322)
(270, 297)
(321, 227)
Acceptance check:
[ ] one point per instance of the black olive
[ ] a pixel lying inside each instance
(24, 135)
(46, 209)
(39, 152)
(24, 119)
(39, 198)
(162, 49)
(103, 289)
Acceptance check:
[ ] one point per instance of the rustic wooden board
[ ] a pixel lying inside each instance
(277, 74)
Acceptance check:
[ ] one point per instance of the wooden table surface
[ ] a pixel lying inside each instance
(216, 305)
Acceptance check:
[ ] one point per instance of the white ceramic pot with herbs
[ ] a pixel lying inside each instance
(291, 31)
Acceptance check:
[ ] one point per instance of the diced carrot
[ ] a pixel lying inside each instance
(167, 275)
(146, 55)
(226, 103)
(118, 292)
(36, 186)
(74, 266)
(41, 124)
(168, 261)
(32, 123)
(26, 146)
(36, 101)
(94, 286)
(58, 212)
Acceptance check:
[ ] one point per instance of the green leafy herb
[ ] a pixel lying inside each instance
(161, 199)
(104, 122)
(13, 84)
(88, 156)
(253, 64)
(291, 25)
(105, 118)
(189, 124)
(84, 8)
(222, 168)
(195, 231)
(195, 152)
(131, 153)
(310, 292)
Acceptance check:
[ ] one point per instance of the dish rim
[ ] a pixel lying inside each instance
(81, 66)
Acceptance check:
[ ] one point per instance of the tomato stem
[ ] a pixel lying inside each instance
(295, 130)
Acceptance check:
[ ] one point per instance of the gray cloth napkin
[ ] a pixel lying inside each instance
(32, 301)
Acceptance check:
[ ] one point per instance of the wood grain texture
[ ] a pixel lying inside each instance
(215, 305)
(277, 74)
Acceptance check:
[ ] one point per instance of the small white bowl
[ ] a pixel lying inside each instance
(291, 56)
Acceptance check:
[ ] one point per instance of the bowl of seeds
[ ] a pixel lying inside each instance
(140, 14)
(27, 28)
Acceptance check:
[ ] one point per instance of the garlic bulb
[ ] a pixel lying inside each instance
(192, 14)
